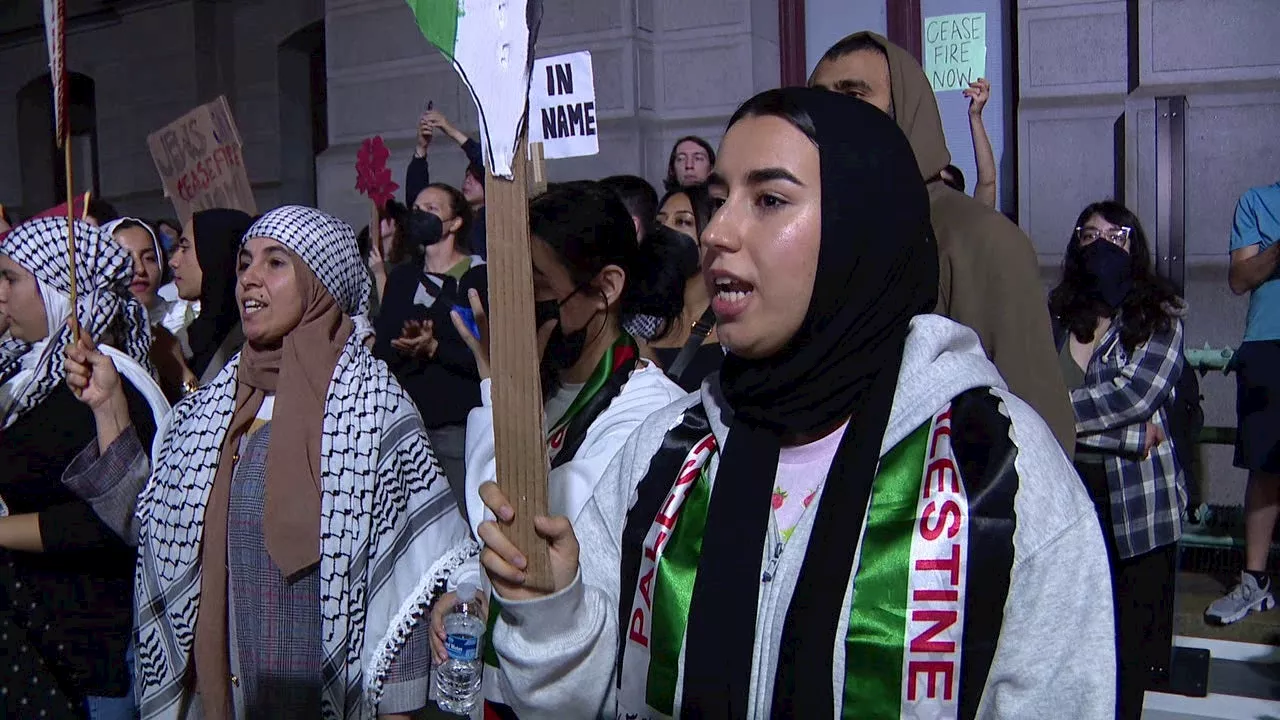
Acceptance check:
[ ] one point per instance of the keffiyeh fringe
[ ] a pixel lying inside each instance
(432, 586)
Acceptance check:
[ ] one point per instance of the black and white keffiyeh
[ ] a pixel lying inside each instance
(327, 245)
(11, 348)
(389, 525)
(103, 303)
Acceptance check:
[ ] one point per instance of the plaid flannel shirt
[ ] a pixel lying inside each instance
(1120, 395)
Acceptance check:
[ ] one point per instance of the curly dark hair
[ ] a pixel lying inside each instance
(1147, 309)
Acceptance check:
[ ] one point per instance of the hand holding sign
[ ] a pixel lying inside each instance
(978, 92)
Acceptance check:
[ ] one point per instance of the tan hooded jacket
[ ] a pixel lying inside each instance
(989, 277)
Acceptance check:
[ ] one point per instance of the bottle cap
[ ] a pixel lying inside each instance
(466, 592)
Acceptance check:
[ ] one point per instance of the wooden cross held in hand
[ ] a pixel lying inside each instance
(491, 46)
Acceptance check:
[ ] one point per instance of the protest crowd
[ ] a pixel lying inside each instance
(806, 457)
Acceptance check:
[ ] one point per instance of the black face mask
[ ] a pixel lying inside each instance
(1109, 266)
(563, 349)
(424, 229)
(689, 259)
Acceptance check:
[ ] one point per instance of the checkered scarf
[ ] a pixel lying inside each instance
(377, 563)
(11, 348)
(103, 303)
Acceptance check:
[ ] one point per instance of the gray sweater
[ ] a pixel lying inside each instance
(1055, 655)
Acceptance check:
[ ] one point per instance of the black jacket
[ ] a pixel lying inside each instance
(446, 387)
(75, 599)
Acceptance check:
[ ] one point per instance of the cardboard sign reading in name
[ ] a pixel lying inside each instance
(955, 50)
(562, 106)
(200, 161)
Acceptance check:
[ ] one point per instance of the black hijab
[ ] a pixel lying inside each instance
(877, 268)
(217, 239)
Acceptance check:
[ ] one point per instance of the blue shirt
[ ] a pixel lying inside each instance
(1257, 222)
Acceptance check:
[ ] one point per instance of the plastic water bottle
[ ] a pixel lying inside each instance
(458, 679)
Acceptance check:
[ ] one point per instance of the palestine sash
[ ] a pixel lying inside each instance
(563, 441)
(940, 522)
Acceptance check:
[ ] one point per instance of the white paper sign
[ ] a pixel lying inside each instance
(562, 106)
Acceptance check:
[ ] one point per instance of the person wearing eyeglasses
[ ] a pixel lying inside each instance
(1119, 333)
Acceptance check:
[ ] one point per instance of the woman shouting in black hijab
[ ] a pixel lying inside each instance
(854, 517)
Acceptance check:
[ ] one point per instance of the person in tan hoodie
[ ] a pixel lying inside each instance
(989, 277)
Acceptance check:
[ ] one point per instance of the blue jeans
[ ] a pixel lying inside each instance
(110, 708)
(114, 708)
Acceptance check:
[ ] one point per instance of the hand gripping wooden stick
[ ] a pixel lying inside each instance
(518, 431)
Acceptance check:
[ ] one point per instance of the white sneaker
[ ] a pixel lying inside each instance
(1243, 599)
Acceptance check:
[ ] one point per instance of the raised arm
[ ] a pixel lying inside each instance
(418, 175)
(111, 471)
(438, 121)
(984, 190)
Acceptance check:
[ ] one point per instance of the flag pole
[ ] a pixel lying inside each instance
(71, 237)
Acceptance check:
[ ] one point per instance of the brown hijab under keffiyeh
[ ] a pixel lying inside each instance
(297, 373)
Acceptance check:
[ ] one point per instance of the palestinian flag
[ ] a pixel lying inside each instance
(491, 46)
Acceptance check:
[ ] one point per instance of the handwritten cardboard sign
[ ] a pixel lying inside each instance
(562, 106)
(955, 50)
(200, 161)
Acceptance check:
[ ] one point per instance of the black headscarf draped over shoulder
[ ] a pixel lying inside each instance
(877, 269)
(217, 238)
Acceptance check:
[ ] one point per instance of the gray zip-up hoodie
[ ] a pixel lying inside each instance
(1056, 652)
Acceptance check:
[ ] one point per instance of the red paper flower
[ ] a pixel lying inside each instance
(373, 177)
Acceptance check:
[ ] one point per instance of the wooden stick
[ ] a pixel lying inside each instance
(518, 431)
(71, 238)
(537, 170)
(375, 229)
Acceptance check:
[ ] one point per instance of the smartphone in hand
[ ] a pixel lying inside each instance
(468, 319)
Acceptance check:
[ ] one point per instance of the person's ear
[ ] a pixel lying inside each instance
(609, 283)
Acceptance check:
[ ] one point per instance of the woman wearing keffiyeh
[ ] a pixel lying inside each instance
(296, 523)
(66, 585)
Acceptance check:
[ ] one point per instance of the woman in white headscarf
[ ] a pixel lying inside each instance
(296, 524)
(66, 614)
(169, 318)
